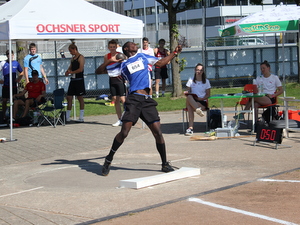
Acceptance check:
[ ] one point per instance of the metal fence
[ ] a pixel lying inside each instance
(226, 66)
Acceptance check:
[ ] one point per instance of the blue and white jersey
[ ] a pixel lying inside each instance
(4, 66)
(135, 71)
(33, 62)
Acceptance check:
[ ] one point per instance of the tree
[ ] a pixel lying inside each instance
(22, 50)
(174, 7)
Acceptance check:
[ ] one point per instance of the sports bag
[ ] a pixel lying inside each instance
(215, 119)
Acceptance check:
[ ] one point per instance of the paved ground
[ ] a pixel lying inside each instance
(52, 176)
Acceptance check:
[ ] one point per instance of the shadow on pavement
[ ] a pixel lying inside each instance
(93, 167)
(84, 164)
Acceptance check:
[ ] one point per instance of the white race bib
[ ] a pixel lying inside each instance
(135, 66)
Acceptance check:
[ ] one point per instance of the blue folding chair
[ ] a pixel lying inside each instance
(52, 113)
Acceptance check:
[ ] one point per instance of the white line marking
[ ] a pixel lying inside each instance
(240, 211)
(272, 180)
(58, 168)
(20, 192)
(177, 160)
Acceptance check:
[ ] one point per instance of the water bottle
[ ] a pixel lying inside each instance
(35, 117)
(260, 86)
(224, 120)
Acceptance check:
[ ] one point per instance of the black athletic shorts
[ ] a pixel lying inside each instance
(35, 103)
(204, 103)
(117, 87)
(5, 91)
(273, 100)
(140, 106)
(161, 73)
(76, 87)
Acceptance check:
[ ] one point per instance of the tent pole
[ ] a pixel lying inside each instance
(10, 91)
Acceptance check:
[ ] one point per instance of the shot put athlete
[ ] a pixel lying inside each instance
(138, 103)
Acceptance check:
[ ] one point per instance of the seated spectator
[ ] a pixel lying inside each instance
(271, 86)
(36, 95)
(197, 95)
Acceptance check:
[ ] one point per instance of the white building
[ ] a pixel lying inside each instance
(218, 14)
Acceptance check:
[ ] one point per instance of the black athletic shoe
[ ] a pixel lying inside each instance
(105, 168)
(166, 167)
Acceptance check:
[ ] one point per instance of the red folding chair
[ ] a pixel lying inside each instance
(251, 88)
(270, 107)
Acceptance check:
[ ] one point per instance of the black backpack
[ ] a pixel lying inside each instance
(266, 114)
(24, 121)
(215, 119)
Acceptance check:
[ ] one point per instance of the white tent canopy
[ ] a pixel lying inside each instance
(59, 20)
(64, 19)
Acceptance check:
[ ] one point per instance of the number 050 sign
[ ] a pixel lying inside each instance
(268, 134)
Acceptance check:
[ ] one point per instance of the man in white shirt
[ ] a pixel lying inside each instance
(149, 51)
(146, 48)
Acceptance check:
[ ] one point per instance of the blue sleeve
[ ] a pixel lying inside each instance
(151, 59)
(19, 68)
(26, 61)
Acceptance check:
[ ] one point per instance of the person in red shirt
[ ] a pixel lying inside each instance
(161, 73)
(36, 95)
(116, 84)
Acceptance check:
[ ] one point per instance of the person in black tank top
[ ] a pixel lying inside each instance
(161, 73)
(76, 86)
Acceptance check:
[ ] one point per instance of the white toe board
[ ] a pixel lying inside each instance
(142, 182)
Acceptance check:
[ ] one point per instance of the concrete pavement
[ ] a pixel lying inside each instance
(52, 175)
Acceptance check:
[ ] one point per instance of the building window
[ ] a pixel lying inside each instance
(195, 21)
(161, 9)
(136, 12)
(149, 11)
(128, 13)
(213, 21)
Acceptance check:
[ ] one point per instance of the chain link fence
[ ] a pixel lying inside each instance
(226, 66)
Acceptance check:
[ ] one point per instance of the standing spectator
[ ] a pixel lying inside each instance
(33, 62)
(36, 95)
(119, 48)
(138, 103)
(4, 67)
(146, 48)
(161, 72)
(116, 83)
(197, 95)
(76, 86)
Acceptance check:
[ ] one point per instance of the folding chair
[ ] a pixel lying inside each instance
(185, 119)
(272, 108)
(35, 111)
(52, 113)
(250, 88)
